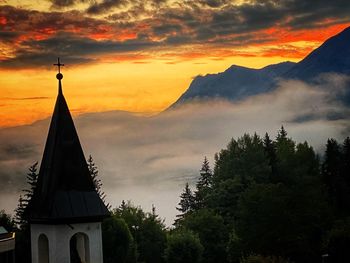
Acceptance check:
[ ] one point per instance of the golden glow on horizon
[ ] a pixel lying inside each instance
(148, 87)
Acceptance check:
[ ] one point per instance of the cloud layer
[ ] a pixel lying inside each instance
(111, 27)
(149, 159)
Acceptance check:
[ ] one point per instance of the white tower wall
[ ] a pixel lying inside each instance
(89, 242)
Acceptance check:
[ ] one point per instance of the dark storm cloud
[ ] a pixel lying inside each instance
(178, 40)
(29, 22)
(167, 28)
(7, 36)
(105, 5)
(29, 60)
(76, 50)
(33, 36)
(214, 3)
(310, 13)
(58, 4)
(68, 43)
(62, 3)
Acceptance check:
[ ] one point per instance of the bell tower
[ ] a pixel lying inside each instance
(65, 212)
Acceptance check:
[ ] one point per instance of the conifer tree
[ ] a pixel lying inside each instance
(282, 134)
(346, 161)
(96, 180)
(123, 205)
(344, 179)
(186, 204)
(203, 185)
(285, 161)
(331, 169)
(206, 175)
(19, 212)
(283, 143)
(32, 178)
(270, 150)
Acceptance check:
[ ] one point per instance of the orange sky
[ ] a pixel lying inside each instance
(139, 63)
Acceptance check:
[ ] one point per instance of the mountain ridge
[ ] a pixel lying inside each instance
(238, 82)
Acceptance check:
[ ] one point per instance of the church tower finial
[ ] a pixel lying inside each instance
(59, 75)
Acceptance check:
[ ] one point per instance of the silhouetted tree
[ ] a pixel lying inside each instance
(267, 198)
(203, 185)
(96, 180)
(21, 217)
(345, 177)
(212, 234)
(183, 247)
(117, 240)
(151, 241)
(346, 160)
(270, 150)
(7, 221)
(20, 212)
(285, 150)
(147, 229)
(331, 173)
(186, 204)
(234, 248)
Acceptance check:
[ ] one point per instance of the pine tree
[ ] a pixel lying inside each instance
(282, 134)
(206, 175)
(285, 155)
(203, 185)
(20, 211)
(270, 149)
(187, 200)
(186, 204)
(123, 205)
(32, 178)
(345, 178)
(96, 180)
(346, 160)
(331, 171)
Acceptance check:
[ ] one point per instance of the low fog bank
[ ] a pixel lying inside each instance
(149, 159)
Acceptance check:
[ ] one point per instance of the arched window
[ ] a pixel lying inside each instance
(43, 247)
(79, 248)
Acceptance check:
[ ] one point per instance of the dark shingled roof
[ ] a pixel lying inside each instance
(65, 192)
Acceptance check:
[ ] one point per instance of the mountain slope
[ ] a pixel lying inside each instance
(239, 82)
(234, 83)
(332, 56)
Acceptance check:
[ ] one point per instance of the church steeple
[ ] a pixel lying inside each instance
(59, 75)
(65, 192)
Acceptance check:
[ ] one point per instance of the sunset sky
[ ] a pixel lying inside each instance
(140, 56)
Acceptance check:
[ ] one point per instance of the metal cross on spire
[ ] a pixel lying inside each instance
(58, 64)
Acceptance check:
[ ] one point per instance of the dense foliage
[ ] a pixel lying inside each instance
(131, 235)
(265, 201)
(183, 247)
(7, 221)
(271, 201)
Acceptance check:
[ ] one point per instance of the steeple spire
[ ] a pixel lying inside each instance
(59, 75)
(65, 191)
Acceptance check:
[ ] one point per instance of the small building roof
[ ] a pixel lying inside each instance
(65, 192)
(3, 230)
